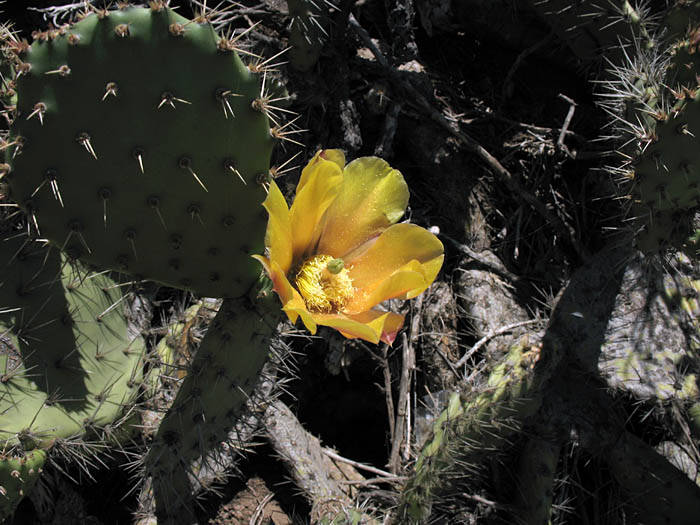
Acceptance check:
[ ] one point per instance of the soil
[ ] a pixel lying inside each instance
(254, 504)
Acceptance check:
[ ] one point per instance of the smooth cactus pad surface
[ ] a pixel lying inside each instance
(138, 143)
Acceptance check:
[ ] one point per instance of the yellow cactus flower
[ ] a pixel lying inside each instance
(338, 251)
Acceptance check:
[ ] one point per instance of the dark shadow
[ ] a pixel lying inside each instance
(42, 324)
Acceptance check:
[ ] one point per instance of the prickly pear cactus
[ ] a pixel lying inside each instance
(220, 379)
(71, 359)
(18, 474)
(308, 31)
(667, 174)
(653, 97)
(138, 144)
(594, 29)
(470, 429)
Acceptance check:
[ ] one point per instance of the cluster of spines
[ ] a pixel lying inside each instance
(652, 98)
(221, 378)
(75, 245)
(469, 429)
(308, 31)
(73, 237)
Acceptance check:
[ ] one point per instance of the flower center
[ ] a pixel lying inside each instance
(324, 283)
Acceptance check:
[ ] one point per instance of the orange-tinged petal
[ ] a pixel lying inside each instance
(372, 326)
(395, 248)
(318, 187)
(278, 237)
(373, 196)
(391, 323)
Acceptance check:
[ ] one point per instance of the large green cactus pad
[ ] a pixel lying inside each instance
(70, 358)
(138, 141)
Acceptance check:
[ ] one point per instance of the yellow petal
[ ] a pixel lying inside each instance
(391, 252)
(292, 303)
(411, 279)
(317, 188)
(332, 155)
(373, 196)
(388, 323)
(295, 309)
(278, 237)
(372, 326)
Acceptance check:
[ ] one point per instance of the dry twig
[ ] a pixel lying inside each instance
(402, 425)
(504, 176)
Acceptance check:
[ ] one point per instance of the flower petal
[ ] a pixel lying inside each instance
(318, 187)
(292, 303)
(402, 262)
(411, 279)
(278, 237)
(333, 155)
(373, 196)
(372, 325)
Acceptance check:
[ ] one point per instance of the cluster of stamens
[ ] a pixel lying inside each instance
(325, 284)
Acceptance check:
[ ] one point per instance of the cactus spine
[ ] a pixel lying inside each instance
(308, 31)
(140, 142)
(137, 144)
(212, 397)
(18, 474)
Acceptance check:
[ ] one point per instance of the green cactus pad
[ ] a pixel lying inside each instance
(308, 32)
(213, 396)
(667, 173)
(70, 356)
(138, 144)
(468, 430)
(18, 474)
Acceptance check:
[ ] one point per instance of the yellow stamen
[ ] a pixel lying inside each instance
(325, 287)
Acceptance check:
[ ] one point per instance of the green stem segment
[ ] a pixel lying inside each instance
(212, 397)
